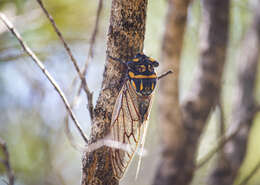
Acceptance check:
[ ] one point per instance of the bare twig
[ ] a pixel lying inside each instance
(45, 72)
(92, 43)
(6, 161)
(90, 54)
(76, 98)
(221, 131)
(82, 76)
(94, 34)
(251, 174)
(68, 133)
(223, 141)
(221, 119)
(257, 108)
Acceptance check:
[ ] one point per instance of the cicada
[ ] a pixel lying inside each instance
(131, 110)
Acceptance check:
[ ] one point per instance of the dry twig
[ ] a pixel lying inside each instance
(92, 43)
(94, 34)
(223, 141)
(76, 98)
(82, 76)
(250, 175)
(6, 161)
(45, 72)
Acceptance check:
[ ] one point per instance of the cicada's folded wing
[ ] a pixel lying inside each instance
(126, 129)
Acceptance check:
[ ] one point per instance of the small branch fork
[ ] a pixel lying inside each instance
(251, 174)
(90, 55)
(82, 76)
(224, 139)
(6, 162)
(45, 72)
(94, 34)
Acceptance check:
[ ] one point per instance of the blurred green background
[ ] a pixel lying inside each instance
(32, 115)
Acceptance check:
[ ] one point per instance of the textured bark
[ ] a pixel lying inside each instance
(203, 96)
(125, 39)
(169, 109)
(244, 107)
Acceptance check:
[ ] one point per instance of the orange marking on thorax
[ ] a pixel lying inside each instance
(141, 86)
(151, 59)
(133, 83)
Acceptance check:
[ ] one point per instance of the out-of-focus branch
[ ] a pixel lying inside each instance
(244, 106)
(170, 118)
(95, 32)
(92, 43)
(180, 152)
(223, 141)
(82, 77)
(250, 175)
(6, 162)
(257, 108)
(221, 119)
(45, 72)
(91, 48)
(206, 86)
(77, 96)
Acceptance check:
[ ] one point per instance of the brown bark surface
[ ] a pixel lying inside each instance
(244, 108)
(125, 39)
(177, 166)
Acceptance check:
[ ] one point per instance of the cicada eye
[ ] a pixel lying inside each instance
(150, 68)
(155, 64)
(130, 64)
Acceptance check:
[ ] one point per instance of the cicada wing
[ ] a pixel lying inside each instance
(125, 129)
(144, 130)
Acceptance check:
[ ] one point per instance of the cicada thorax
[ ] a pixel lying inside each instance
(143, 80)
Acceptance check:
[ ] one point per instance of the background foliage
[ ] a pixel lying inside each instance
(32, 115)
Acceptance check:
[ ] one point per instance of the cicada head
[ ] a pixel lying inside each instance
(142, 75)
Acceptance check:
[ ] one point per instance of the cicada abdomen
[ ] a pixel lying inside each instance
(131, 111)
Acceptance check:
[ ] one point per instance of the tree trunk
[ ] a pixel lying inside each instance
(169, 109)
(125, 39)
(244, 108)
(203, 96)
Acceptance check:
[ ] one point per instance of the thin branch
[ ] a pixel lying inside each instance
(90, 54)
(45, 72)
(221, 119)
(76, 98)
(92, 43)
(70, 137)
(94, 34)
(257, 108)
(6, 161)
(221, 123)
(251, 174)
(223, 141)
(82, 76)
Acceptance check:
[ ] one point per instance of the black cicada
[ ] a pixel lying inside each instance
(131, 110)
